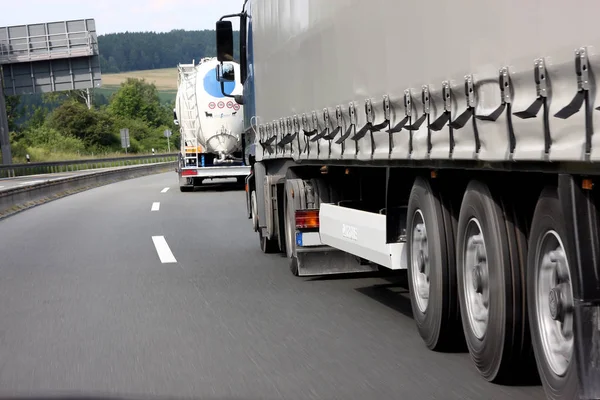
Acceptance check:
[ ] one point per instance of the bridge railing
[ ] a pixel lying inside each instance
(14, 170)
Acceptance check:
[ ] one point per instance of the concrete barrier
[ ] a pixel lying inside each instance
(18, 199)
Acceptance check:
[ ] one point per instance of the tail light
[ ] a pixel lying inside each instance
(307, 219)
(188, 172)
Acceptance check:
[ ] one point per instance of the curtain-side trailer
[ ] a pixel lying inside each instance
(457, 139)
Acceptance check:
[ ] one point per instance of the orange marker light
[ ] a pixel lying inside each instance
(307, 219)
(587, 184)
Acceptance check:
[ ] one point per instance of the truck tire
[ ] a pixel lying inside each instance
(300, 199)
(431, 267)
(322, 191)
(550, 299)
(291, 203)
(492, 300)
(290, 240)
(254, 211)
(186, 188)
(268, 246)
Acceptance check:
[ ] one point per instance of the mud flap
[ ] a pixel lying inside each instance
(329, 261)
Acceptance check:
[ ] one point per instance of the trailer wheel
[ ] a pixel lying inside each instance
(290, 240)
(186, 188)
(294, 190)
(268, 246)
(431, 267)
(491, 247)
(550, 299)
(254, 210)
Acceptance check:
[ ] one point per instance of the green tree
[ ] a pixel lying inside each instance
(72, 119)
(137, 99)
(37, 117)
(13, 111)
(104, 133)
(83, 96)
(96, 128)
(131, 51)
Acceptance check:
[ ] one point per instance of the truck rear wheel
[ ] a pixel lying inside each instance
(490, 246)
(290, 240)
(268, 246)
(186, 188)
(292, 201)
(550, 299)
(300, 194)
(254, 210)
(431, 267)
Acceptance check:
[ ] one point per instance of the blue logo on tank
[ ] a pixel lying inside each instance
(213, 87)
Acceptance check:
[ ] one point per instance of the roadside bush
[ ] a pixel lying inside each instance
(53, 140)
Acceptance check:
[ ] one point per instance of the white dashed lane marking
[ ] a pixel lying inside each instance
(163, 250)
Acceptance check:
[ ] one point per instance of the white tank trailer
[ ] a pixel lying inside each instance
(210, 122)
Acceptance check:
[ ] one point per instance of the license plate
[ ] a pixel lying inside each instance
(299, 239)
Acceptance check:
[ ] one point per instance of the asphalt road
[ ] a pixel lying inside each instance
(87, 307)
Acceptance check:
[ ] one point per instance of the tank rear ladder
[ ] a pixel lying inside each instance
(189, 121)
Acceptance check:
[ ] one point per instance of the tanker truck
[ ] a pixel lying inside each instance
(210, 122)
(457, 140)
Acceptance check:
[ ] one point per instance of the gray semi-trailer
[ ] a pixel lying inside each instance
(457, 139)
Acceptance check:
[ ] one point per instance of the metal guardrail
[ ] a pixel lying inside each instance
(14, 170)
(19, 198)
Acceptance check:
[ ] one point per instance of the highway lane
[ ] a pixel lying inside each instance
(87, 307)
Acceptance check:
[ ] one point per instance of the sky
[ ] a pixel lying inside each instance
(121, 15)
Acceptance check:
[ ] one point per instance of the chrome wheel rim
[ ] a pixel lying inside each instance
(476, 279)
(420, 261)
(554, 302)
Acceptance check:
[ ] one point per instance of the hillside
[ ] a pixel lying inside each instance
(165, 80)
(139, 51)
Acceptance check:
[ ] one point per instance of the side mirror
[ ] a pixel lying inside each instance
(239, 98)
(224, 41)
(225, 72)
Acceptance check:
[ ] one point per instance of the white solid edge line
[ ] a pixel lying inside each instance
(163, 250)
(155, 206)
(165, 190)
